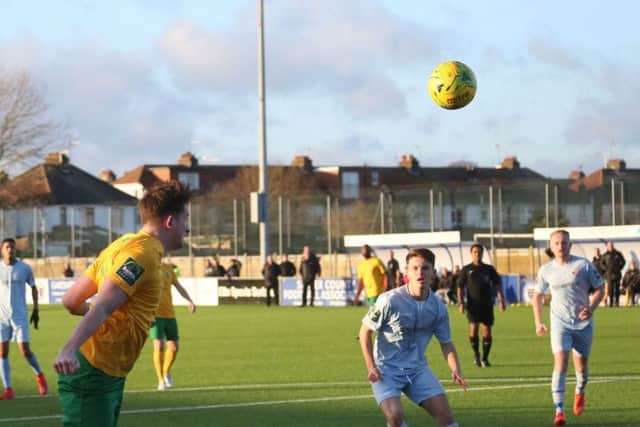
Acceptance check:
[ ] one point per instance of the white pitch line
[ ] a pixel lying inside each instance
(309, 400)
(334, 384)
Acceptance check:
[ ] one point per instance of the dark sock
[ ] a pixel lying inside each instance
(475, 346)
(486, 347)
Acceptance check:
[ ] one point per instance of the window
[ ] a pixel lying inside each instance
(117, 217)
(192, 179)
(89, 217)
(375, 178)
(350, 185)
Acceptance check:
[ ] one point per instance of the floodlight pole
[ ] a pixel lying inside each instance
(263, 186)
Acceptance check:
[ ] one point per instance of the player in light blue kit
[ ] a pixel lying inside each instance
(405, 319)
(569, 279)
(14, 275)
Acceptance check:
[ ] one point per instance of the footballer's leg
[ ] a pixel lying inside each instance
(41, 381)
(582, 348)
(5, 371)
(158, 351)
(558, 383)
(486, 344)
(171, 352)
(393, 412)
(475, 342)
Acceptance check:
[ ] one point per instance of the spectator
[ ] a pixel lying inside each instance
(631, 282)
(309, 270)
(234, 268)
(68, 271)
(372, 276)
(214, 269)
(597, 262)
(613, 261)
(394, 277)
(270, 273)
(453, 289)
(287, 268)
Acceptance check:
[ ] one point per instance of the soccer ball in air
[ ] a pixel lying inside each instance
(452, 85)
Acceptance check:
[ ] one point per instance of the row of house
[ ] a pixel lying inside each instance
(64, 209)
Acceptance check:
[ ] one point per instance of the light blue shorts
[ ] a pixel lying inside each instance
(11, 330)
(418, 386)
(565, 339)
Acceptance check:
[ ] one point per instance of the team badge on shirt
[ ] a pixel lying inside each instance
(130, 271)
(374, 313)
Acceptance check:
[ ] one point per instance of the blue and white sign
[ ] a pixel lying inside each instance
(337, 292)
(57, 288)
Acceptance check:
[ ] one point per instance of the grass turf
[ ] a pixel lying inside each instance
(258, 366)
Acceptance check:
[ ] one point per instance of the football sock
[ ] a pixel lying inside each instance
(169, 358)
(6, 373)
(401, 425)
(157, 364)
(581, 380)
(558, 380)
(486, 347)
(33, 361)
(475, 341)
(453, 425)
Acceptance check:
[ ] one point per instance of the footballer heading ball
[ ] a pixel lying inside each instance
(452, 85)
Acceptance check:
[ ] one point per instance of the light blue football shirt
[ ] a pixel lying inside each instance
(13, 278)
(404, 328)
(569, 285)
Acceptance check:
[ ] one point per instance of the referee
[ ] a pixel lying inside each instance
(480, 281)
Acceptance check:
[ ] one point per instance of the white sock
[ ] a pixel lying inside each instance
(581, 380)
(5, 373)
(558, 381)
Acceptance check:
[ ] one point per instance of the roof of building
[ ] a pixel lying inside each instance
(60, 183)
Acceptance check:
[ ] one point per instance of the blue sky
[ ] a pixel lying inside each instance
(143, 81)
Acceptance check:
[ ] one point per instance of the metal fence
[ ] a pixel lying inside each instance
(491, 213)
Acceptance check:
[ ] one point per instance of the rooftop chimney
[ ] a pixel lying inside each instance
(188, 159)
(510, 162)
(303, 162)
(107, 175)
(57, 158)
(576, 175)
(410, 163)
(616, 164)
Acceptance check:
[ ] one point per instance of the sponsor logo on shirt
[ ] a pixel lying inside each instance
(130, 271)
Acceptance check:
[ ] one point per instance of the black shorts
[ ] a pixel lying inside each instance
(480, 315)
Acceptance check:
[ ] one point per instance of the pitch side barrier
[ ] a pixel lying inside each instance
(203, 290)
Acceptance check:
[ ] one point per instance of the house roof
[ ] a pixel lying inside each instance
(60, 184)
(602, 177)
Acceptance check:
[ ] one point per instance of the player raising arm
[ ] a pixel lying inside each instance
(405, 319)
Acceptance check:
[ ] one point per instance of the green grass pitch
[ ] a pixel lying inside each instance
(259, 366)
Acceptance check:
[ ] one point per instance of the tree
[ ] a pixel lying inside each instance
(26, 130)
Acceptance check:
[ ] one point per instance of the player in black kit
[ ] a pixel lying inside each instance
(480, 281)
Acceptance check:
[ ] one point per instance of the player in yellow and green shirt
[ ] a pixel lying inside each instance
(165, 327)
(125, 283)
(372, 276)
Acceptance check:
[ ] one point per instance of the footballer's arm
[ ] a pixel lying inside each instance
(183, 292)
(537, 300)
(75, 299)
(109, 299)
(451, 356)
(366, 344)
